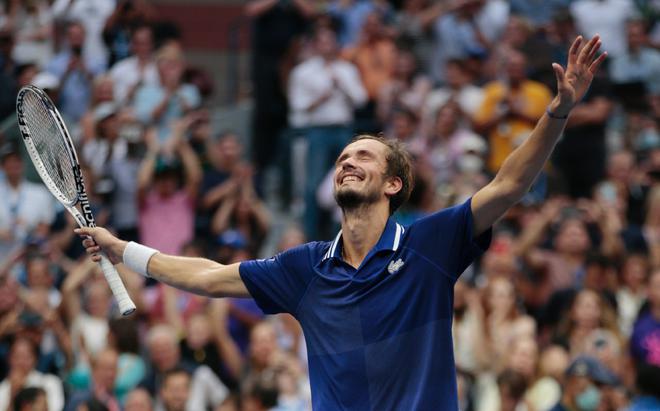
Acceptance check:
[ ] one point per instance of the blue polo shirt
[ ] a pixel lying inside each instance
(378, 337)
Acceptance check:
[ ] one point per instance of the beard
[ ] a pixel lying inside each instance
(350, 199)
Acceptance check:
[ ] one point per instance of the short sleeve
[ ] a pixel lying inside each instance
(446, 238)
(277, 284)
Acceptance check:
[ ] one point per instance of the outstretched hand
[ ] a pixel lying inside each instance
(574, 80)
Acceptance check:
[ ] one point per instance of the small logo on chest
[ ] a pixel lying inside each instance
(395, 266)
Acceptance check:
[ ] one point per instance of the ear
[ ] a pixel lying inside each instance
(393, 185)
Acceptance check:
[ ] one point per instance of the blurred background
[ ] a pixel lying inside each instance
(209, 128)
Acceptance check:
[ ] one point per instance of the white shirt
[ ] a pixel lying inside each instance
(604, 17)
(126, 74)
(312, 79)
(49, 383)
(22, 210)
(93, 15)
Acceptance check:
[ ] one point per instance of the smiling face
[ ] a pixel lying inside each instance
(360, 175)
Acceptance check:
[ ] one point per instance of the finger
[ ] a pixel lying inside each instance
(586, 50)
(593, 68)
(575, 48)
(88, 242)
(84, 231)
(559, 72)
(93, 249)
(594, 51)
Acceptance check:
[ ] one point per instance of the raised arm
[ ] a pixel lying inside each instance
(523, 165)
(196, 275)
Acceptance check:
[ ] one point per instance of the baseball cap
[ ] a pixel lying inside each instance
(590, 367)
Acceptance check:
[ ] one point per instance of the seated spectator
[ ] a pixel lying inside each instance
(175, 392)
(512, 386)
(648, 394)
(124, 338)
(545, 391)
(165, 355)
(102, 384)
(631, 292)
(22, 373)
(589, 312)
(582, 387)
(351, 16)
(30, 399)
(119, 28)
(138, 400)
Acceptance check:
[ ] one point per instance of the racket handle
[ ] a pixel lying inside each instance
(126, 305)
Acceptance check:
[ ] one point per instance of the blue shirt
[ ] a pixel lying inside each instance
(378, 337)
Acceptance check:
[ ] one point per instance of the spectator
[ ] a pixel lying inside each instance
(124, 338)
(375, 44)
(546, 389)
(93, 15)
(119, 29)
(632, 290)
(75, 72)
(103, 93)
(581, 387)
(352, 15)
(639, 61)
(458, 87)
(30, 399)
(646, 332)
(205, 388)
(648, 396)
(589, 312)
(323, 92)
(604, 16)
(26, 209)
(138, 400)
(32, 24)
(137, 69)
(102, 384)
(22, 373)
(510, 109)
(164, 104)
(175, 392)
(406, 90)
(276, 28)
(166, 199)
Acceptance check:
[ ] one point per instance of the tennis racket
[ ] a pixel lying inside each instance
(49, 145)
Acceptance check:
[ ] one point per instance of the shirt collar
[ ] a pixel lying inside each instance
(390, 239)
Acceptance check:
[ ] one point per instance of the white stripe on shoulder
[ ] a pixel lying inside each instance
(397, 236)
(333, 247)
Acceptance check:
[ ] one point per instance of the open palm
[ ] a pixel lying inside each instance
(574, 80)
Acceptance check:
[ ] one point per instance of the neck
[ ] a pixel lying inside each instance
(361, 229)
(14, 182)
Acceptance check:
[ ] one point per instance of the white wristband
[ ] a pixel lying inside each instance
(136, 257)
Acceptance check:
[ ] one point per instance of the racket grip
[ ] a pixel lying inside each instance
(126, 305)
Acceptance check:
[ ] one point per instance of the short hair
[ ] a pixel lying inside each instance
(173, 373)
(27, 396)
(399, 164)
(125, 332)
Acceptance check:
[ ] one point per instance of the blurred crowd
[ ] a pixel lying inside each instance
(561, 313)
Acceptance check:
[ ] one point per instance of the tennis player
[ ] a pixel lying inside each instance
(375, 304)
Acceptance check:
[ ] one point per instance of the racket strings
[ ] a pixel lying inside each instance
(49, 143)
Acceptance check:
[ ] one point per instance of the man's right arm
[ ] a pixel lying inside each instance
(196, 275)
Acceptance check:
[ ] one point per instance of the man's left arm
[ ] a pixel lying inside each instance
(521, 168)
